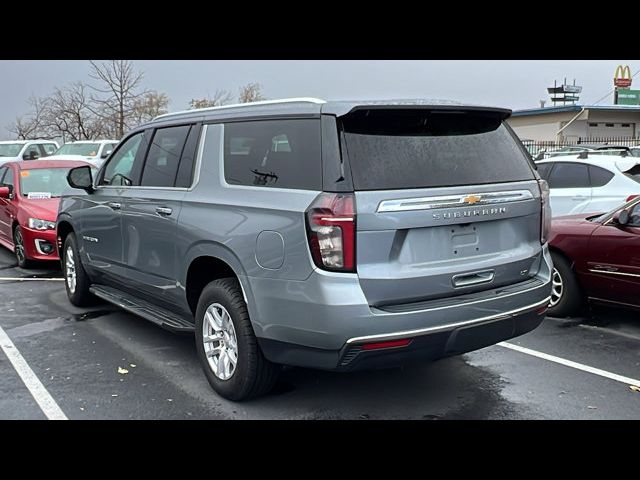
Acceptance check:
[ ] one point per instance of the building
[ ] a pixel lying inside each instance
(574, 123)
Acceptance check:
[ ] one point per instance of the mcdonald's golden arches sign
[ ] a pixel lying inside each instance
(622, 78)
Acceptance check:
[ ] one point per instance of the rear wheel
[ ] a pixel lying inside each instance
(227, 347)
(77, 281)
(566, 297)
(19, 249)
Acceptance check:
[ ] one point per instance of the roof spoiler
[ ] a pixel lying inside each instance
(340, 109)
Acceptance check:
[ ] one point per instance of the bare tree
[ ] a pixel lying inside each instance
(221, 97)
(251, 92)
(118, 93)
(30, 126)
(69, 113)
(149, 106)
(80, 111)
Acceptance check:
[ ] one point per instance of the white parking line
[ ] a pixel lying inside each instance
(40, 394)
(22, 279)
(569, 363)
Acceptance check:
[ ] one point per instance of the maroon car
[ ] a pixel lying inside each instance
(29, 197)
(597, 258)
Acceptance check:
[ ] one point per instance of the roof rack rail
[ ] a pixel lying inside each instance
(249, 104)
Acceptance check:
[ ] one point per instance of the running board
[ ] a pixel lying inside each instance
(142, 308)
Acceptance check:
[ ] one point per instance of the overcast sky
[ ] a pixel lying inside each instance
(513, 84)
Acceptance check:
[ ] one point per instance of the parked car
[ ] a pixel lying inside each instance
(568, 150)
(600, 149)
(332, 235)
(590, 184)
(596, 258)
(16, 150)
(29, 197)
(94, 152)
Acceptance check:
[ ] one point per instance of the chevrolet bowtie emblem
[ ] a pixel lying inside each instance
(471, 199)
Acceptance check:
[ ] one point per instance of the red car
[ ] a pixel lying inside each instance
(597, 258)
(29, 198)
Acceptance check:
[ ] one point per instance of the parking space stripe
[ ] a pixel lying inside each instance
(21, 279)
(569, 363)
(40, 394)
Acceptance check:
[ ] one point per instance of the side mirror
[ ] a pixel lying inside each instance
(106, 154)
(5, 192)
(80, 177)
(623, 217)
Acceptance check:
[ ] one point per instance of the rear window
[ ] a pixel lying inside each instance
(599, 176)
(396, 149)
(634, 173)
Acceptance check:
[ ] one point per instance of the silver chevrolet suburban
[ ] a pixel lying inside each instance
(331, 235)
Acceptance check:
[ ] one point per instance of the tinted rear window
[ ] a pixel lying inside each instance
(395, 149)
(599, 176)
(634, 173)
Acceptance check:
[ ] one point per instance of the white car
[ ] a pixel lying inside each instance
(94, 152)
(14, 150)
(596, 183)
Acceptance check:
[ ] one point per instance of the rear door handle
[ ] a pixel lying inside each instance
(164, 211)
(115, 205)
(580, 197)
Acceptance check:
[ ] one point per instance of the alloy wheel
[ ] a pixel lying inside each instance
(220, 341)
(70, 269)
(18, 243)
(556, 288)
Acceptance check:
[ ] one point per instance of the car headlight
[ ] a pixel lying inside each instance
(38, 224)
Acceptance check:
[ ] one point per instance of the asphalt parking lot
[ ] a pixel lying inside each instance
(103, 363)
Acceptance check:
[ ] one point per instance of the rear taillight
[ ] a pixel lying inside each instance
(331, 229)
(545, 222)
(631, 197)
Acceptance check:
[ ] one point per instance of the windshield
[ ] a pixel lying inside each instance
(605, 216)
(10, 149)
(84, 149)
(46, 182)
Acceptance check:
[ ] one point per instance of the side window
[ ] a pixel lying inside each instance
(273, 153)
(119, 169)
(32, 152)
(161, 165)
(599, 176)
(48, 149)
(107, 148)
(3, 170)
(544, 170)
(184, 179)
(569, 175)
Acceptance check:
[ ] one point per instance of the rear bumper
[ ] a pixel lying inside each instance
(325, 321)
(37, 242)
(428, 346)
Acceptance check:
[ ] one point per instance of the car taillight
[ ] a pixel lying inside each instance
(545, 223)
(631, 197)
(331, 229)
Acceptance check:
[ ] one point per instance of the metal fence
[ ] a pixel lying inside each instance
(545, 148)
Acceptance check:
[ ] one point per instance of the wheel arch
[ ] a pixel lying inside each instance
(209, 261)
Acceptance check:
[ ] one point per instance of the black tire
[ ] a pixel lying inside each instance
(19, 250)
(253, 375)
(80, 296)
(571, 298)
